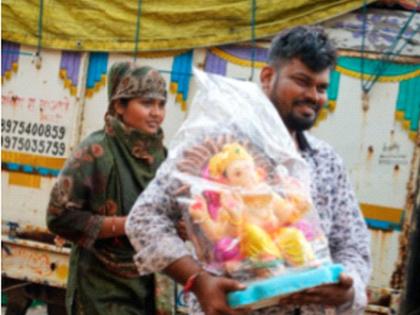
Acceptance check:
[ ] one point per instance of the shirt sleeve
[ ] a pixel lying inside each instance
(151, 226)
(349, 239)
(68, 212)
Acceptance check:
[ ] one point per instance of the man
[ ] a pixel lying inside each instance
(295, 80)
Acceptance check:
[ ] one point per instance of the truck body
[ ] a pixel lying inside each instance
(50, 103)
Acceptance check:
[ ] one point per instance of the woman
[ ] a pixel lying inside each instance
(97, 188)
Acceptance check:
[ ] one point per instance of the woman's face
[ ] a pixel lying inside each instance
(145, 114)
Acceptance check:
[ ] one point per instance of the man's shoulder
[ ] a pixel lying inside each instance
(318, 144)
(321, 148)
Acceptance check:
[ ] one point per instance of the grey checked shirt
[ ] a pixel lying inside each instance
(151, 225)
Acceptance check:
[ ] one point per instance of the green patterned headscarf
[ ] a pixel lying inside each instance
(127, 80)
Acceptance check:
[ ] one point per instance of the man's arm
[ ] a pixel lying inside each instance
(210, 290)
(150, 227)
(349, 241)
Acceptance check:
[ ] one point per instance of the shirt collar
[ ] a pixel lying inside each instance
(303, 142)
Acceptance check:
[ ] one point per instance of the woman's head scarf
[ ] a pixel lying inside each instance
(126, 81)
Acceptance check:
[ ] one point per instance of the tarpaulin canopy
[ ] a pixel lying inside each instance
(98, 25)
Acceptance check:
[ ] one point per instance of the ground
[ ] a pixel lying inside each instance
(37, 310)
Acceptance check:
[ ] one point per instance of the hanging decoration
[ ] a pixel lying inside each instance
(394, 72)
(332, 93)
(333, 90)
(9, 59)
(408, 106)
(96, 76)
(408, 76)
(215, 64)
(239, 55)
(180, 77)
(69, 70)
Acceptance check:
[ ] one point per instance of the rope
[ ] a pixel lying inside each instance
(362, 52)
(382, 66)
(40, 18)
(137, 34)
(12, 52)
(253, 38)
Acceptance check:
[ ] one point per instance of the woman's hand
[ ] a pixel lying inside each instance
(113, 226)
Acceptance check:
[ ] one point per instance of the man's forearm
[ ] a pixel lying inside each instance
(183, 268)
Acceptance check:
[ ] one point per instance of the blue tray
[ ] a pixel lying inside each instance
(265, 292)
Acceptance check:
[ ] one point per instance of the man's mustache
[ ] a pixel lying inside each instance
(307, 103)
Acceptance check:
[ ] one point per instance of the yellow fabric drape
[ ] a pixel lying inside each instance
(98, 25)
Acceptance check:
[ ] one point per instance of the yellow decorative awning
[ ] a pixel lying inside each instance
(97, 25)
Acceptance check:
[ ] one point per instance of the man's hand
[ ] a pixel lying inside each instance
(211, 292)
(328, 295)
(181, 229)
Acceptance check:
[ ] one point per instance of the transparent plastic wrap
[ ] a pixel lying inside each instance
(245, 193)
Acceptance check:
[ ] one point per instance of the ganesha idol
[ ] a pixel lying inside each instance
(247, 222)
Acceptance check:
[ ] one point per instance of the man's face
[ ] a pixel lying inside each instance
(297, 92)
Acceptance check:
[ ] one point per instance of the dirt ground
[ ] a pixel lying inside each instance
(37, 310)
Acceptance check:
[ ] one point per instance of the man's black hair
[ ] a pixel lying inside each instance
(308, 44)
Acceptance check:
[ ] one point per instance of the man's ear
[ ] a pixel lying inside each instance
(266, 76)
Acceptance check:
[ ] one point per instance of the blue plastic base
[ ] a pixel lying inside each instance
(260, 291)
